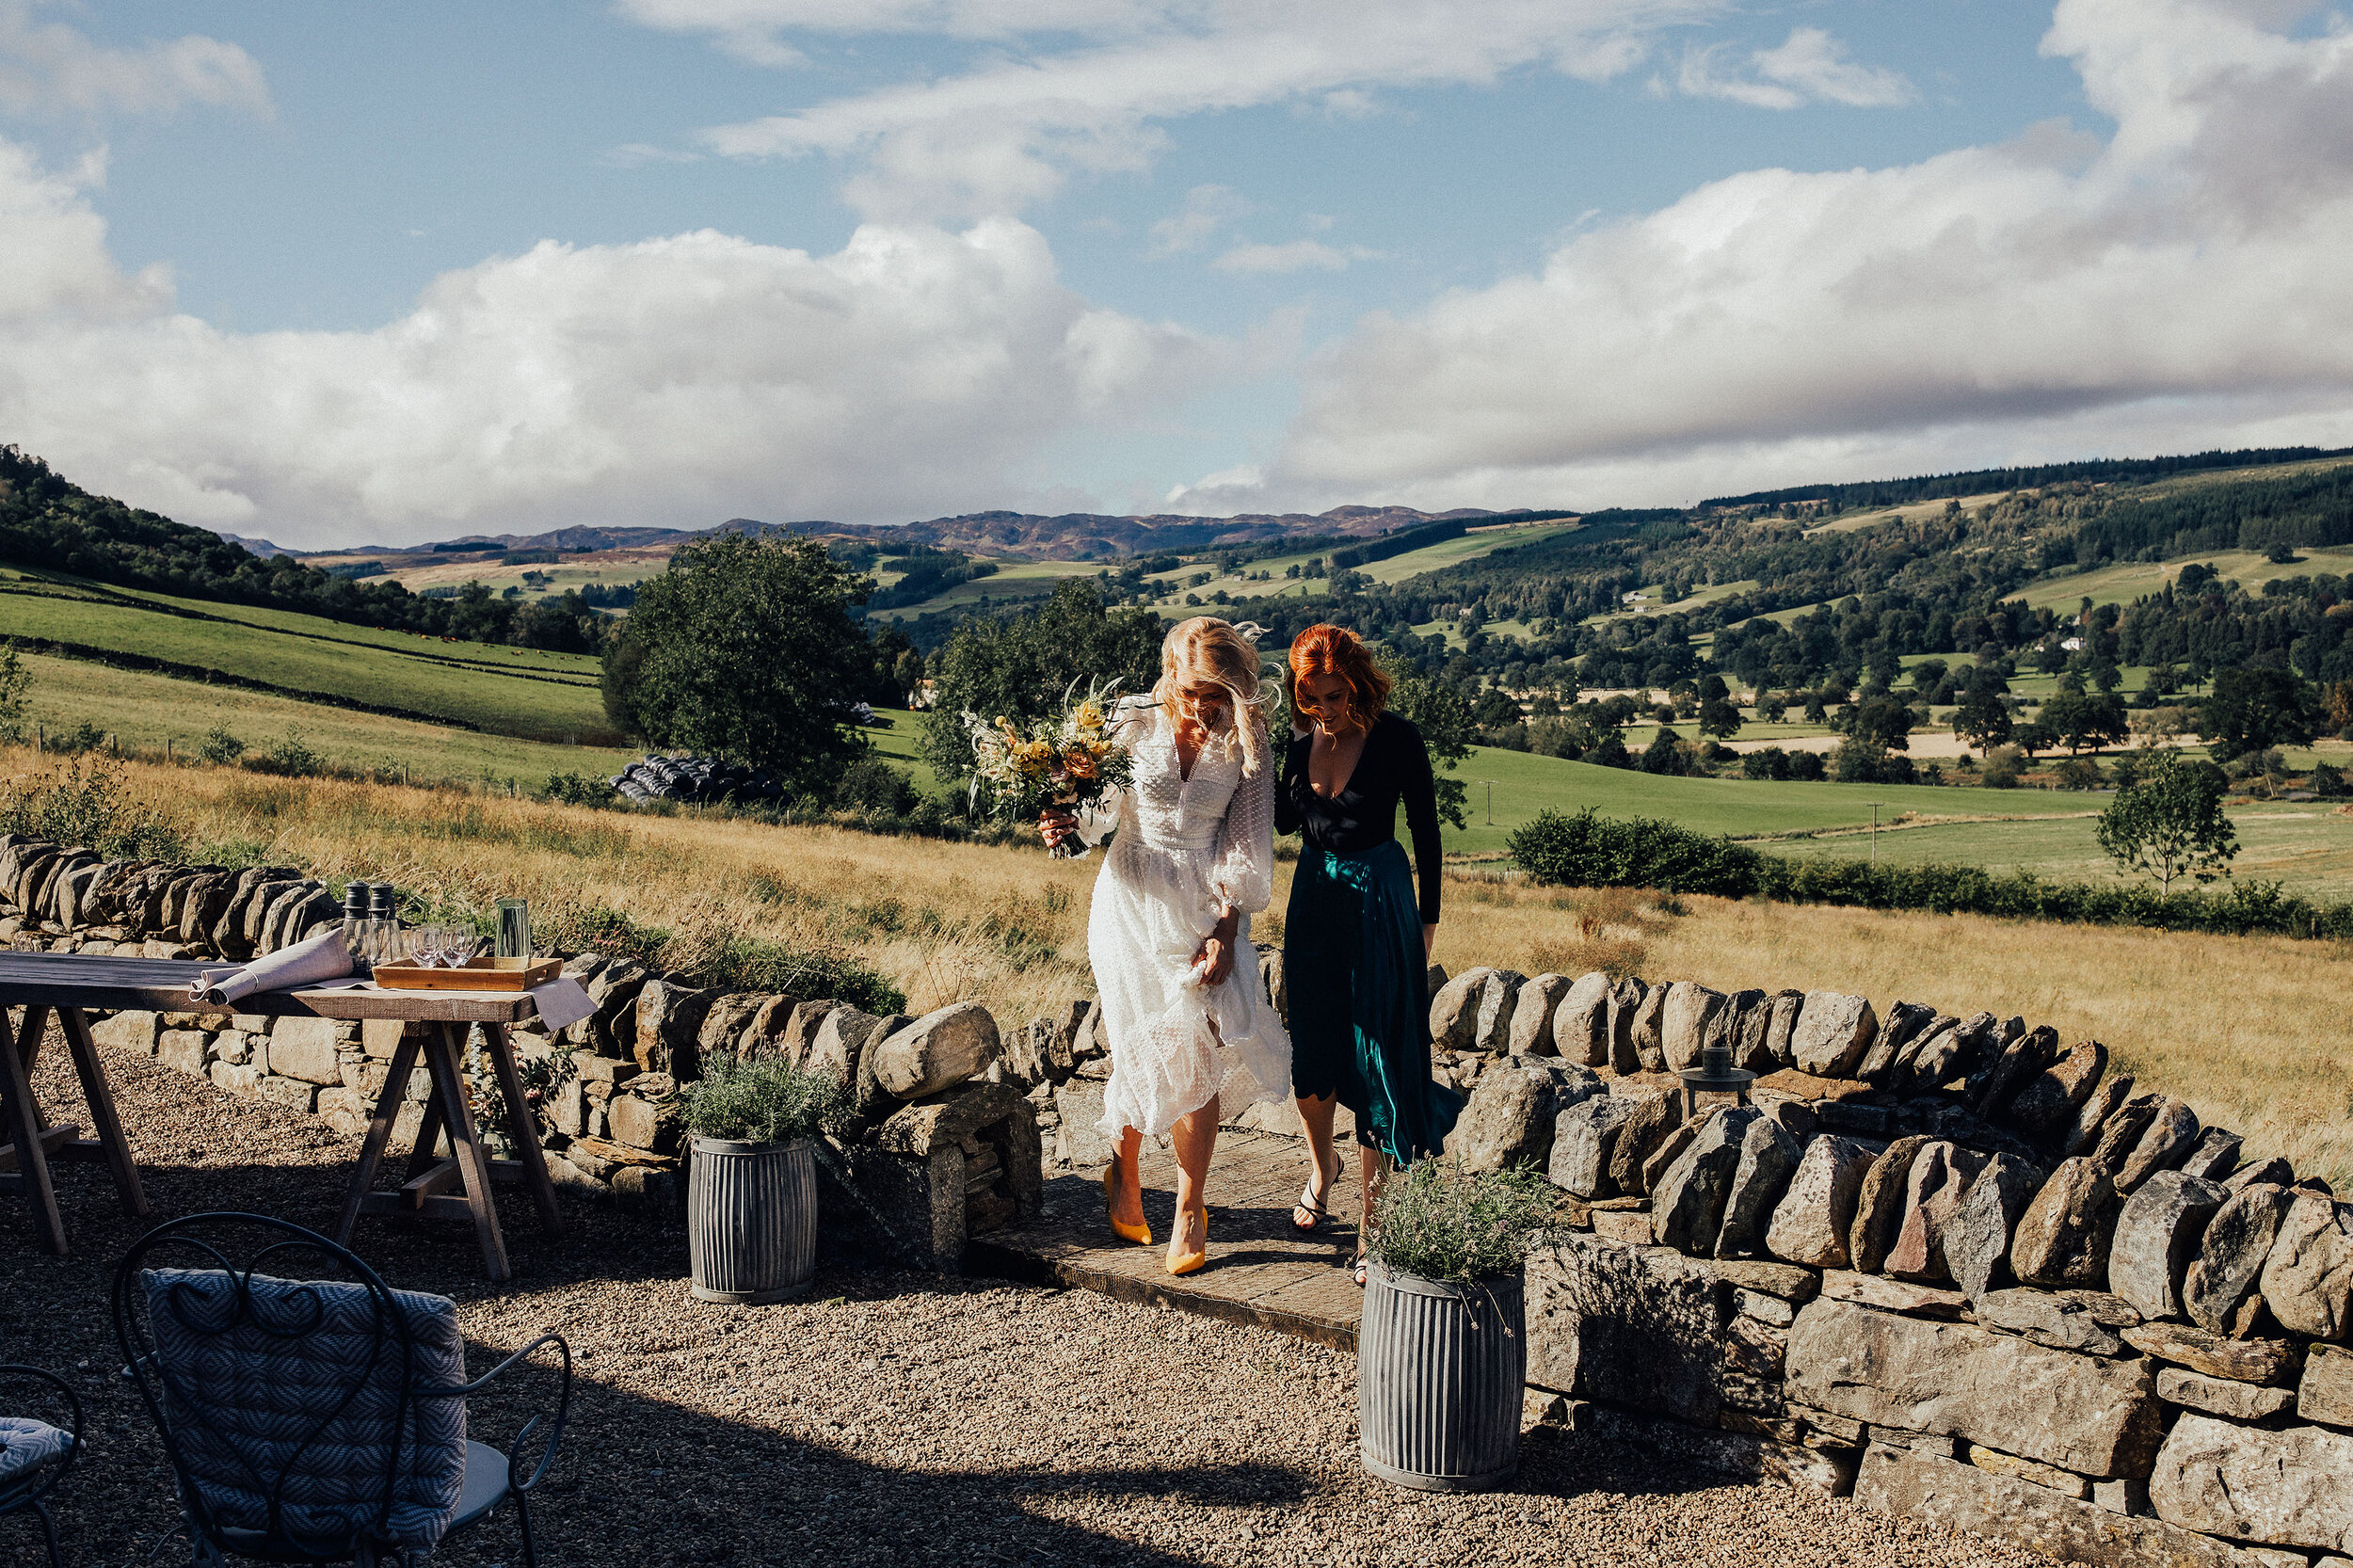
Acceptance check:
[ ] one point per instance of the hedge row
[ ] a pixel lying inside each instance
(1590, 851)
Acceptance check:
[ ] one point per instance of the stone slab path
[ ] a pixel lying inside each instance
(1260, 1270)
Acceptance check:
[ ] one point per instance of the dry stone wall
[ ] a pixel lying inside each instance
(1945, 1263)
(945, 1141)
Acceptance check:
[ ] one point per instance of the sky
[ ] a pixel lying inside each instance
(343, 274)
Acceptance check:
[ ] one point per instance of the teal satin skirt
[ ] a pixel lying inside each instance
(1358, 982)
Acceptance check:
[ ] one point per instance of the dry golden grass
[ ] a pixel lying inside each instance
(2249, 1030)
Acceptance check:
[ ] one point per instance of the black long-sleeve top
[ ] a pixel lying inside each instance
(1395, 765)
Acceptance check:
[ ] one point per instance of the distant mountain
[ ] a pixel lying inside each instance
(260, 547)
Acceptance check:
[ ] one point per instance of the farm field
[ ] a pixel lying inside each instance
(536, 696)
(146, 710)
(2307, 848)
(1014, 581)
(1008, 927)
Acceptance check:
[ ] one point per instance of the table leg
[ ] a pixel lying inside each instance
(522, 1128)
(442, 1054)
(101, 1110)
(427, 1152)
(387, 1103)
(24, 1127)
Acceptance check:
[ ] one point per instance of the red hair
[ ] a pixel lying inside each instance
(1328, 650)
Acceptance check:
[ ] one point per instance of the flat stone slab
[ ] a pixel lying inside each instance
(2285, 1488)
(1260, 1270)
(1962, 1496)
(2094, 1416)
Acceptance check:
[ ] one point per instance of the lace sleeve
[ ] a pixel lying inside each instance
(1245, 875)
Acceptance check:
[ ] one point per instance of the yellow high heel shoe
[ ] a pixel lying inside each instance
(1192, 1262)
(1140, 1233)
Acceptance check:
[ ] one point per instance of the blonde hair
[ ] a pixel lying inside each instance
(1208, 652)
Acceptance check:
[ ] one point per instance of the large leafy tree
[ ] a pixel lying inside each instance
(1983, 719)
(2253, 710)
(2081, 719)
(2170, 823)
(1018, 666)
(746, 648)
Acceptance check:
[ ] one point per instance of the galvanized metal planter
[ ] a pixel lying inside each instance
(751, 1220)
(1440, 1371)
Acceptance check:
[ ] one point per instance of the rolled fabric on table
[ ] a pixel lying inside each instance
(323, 957)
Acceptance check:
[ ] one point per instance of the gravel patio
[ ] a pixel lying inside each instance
(888, 1418)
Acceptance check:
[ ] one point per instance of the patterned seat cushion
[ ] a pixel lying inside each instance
(25, 1445)
(295, 1398)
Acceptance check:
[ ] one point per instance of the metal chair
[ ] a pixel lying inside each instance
(36, 1454)
(313, 1419)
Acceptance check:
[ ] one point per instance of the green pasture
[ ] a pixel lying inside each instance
(2306, 848)
(1013, 582)
(145, 711)
(541, 696)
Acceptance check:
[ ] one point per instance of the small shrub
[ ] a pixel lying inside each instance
(289, 756)
(766, 1101)
(1442, 1222)
(85, 802)
(2079, 773)
(1590, 851)
(748, 963)
(219, 748)
(2001, 769)
(574, 789)
(599, 928)
(871, 784)
(82, 737)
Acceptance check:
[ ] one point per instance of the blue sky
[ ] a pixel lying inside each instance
(396, 271)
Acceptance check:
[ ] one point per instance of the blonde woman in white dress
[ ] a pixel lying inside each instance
(1191, 1034)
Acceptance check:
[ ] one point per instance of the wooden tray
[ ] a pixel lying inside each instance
(476, 974)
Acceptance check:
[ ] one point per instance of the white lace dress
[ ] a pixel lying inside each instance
(1185, 848)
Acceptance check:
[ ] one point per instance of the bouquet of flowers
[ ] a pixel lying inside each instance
(1067, 759)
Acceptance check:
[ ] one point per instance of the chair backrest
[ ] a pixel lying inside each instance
(291, 1408)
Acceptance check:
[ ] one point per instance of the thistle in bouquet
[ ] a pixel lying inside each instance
(1067, 760)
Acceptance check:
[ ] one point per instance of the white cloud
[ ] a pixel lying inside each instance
(1207, 209)
(1087, 92)
(47, 68)
(1297, 256)
(2183, 286)
(676, 381)
(1809, 67)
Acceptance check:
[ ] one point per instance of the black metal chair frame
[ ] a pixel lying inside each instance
(172, 1407)
(28, 1491)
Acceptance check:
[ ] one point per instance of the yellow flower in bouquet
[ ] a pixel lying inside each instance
(1067, 759)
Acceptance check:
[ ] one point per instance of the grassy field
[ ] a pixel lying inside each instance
(536, 695)
(1007, 927)
(147, 712)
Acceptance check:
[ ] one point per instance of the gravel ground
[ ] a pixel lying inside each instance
(889, 1418)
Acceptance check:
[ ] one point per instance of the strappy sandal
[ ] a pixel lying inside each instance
(1319, 1213)
(1359, 1270)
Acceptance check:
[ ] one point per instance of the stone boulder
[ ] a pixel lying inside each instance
(2121, 1133)
(1454, 1011)
(1533, 1010)
(1768, 1158)
(1810, 1224)
(937, 1051)
(1933, 1193)
(1583, 1136)
(2048, 1105)
(1942, 1492)
(1643, 1327)
(1649, 1015)
(2084, 1135)
(2062, 1240)
(1688, 1203)
(1780, 1027)
(1879, 1212)
(669, 1023)
(2308, 1279)
(2287, 1488)
(725, 1023)
(2223, 1396)
(1510, 1116)
(2326, 1392)
(2158, 1232)
(1626, 1005)
(1580, 1021)
(2218, 1291)
(2083, 1320)
(1498, 1002)
(1684, 1023)
(1654, 1118)
(2215, 1155)
(1976, 1240)
(2273, 1172)
(611, 1029)
(1905, 1022)
(1833, 1034)
(2171, 1133)
(2007, 1074)
(1931, 1059)
(1741, 1026)
(2091, 1416)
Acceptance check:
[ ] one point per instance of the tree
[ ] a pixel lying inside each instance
(1879, 723)
(1720, 718)
(2080, 719)
(1667, 755)
(1018, 666)
(1983, 719)
(746, 648)
(15, 681)
(2170, 823)
(1447, 730)
(2252, 710)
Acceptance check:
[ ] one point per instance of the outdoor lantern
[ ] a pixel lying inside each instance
(1715, 1075)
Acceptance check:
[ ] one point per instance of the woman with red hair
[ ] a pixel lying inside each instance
(1356, 937)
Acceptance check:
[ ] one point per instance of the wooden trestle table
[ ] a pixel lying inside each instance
(73, 985)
